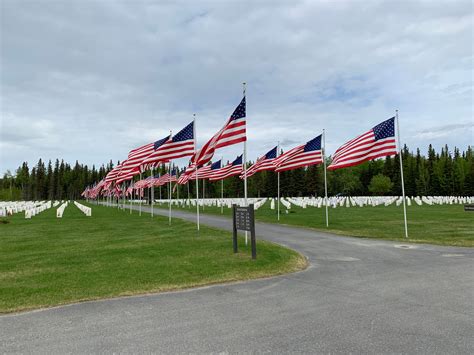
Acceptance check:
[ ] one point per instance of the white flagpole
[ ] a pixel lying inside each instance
(245, 165)
(401, 175)
(325, 178)
(222, 190)
(131, 195)
(177, 189)
(203, 192)
(152, 190)
(169, 195)
(278, 186)
(187, 184)
(140, 195)
(197, 179)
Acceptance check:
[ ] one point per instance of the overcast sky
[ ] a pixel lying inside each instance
(90, 80)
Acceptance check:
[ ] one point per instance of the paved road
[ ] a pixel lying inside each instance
(358, 296)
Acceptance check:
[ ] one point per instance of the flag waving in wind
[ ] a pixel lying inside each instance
(304, 155)
(234, 168)
(131, 166)
(233, 132)
(263, 163)
(181, 145)
(377, 142)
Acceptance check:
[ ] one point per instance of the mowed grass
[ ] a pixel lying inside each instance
(436, 224)
(48, 261)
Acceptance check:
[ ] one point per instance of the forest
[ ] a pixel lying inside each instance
(437, 174)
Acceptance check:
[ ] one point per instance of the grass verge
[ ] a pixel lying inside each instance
(47, 261)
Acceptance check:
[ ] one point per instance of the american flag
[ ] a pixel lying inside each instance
(207, 171)
(377, 142)
(184, 178)
(132, 165)
(181, 145)
(168, 178)
(303, 155)
(265, 162)
(112, 175)
(233, 132)
(234, 168)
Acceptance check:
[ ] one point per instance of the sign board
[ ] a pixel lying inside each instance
(244, 219)
(469, 208)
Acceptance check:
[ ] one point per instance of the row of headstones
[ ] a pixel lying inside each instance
(215, 202)
(60, 210)
(37, 209)
(361, 201)
(86, 210)
(9, 208)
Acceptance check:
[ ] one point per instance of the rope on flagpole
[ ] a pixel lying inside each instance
(401, 175)
(325, 178)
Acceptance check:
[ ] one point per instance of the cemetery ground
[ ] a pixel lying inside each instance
(446, 225)
(47, 261)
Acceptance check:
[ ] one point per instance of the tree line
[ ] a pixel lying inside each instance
(438, 173)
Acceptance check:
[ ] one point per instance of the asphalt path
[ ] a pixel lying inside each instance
(357, 296)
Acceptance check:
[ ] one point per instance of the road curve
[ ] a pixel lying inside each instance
(359, 296)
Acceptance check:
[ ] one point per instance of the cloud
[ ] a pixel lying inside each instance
(449, 130)
(92, 80)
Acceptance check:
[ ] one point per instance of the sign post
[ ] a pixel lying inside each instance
(244, 220)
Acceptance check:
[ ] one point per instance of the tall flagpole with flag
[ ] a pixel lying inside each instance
(169, 194)
(401, 175)
(325, 178)
(245, 164)
(197, 179)
(222, 190)
(278, 185)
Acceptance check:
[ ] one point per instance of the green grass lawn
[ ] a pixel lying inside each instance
(437, 224)
(47, 261)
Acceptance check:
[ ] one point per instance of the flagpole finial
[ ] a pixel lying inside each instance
(244, 85)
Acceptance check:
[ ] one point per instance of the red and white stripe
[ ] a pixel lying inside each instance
(233, 132)
(169, 151)
(260, 165)
(361, 149)
(227, 171)
(131, 166)
(299, 158)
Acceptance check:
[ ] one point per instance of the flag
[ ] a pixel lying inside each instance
(168, 178)
(184, 178)
(306, 154)
(112, 174)
(377, 142)
(200, 171)
(233, 132)
(265, 162)
(234, 168)
(132, 166)
(181, 145)
(206, 171)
